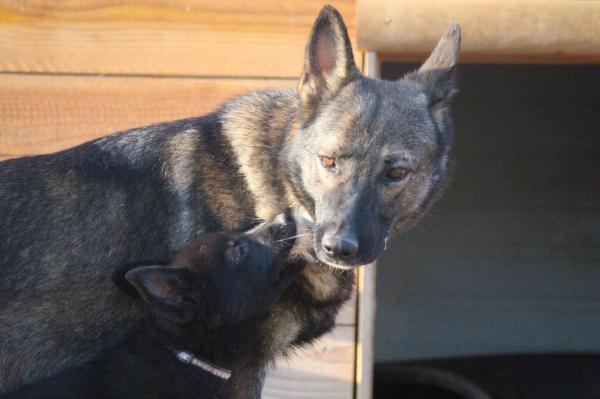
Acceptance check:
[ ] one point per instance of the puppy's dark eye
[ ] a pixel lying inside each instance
(328, 162)
(240, 251)
(397, 174)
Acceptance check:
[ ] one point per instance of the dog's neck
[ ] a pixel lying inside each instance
(258, 126)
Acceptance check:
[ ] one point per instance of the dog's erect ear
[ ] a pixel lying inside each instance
(328, 60)
(436, 77)
(163, 287)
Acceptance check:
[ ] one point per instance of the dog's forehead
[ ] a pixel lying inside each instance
(375, 115)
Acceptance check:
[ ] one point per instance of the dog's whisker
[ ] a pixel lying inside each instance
(292, 237)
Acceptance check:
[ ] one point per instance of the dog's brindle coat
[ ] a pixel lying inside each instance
(212, 302)
(358, 156)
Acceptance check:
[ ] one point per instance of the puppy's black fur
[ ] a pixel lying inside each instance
(212, 301)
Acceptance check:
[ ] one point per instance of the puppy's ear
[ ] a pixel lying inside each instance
(328, 60)
(164, 288)
(118, 278)
(436, 77)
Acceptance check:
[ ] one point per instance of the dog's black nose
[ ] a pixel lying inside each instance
(339, 247)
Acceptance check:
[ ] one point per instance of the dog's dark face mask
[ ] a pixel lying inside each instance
(369, 155)
(222, 278)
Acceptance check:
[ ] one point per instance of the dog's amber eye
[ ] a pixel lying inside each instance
(328, 162)
(396, 174)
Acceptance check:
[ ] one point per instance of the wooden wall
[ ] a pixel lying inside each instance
(71, 71)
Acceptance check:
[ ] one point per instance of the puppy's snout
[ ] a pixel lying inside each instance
(284, 220)
(280, 219)
(280, 228)
(285, 224)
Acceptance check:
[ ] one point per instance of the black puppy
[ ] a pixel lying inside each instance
(208, 322)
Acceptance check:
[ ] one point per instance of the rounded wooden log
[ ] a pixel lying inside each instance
(493, 31)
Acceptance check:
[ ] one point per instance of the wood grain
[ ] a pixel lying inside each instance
(325, 371)
(493, 31)
(262, 38)
(41, 114)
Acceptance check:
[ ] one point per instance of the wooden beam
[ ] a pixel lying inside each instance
(365, 330)
(558, 31)
(262, 38)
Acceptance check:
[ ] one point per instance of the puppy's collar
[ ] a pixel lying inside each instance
(188, 358)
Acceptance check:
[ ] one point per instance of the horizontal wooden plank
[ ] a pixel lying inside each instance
(41, 114)
(264, 38)
(499, 30)
(324, 371)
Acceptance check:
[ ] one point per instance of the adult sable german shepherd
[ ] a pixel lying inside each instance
(357, 157)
